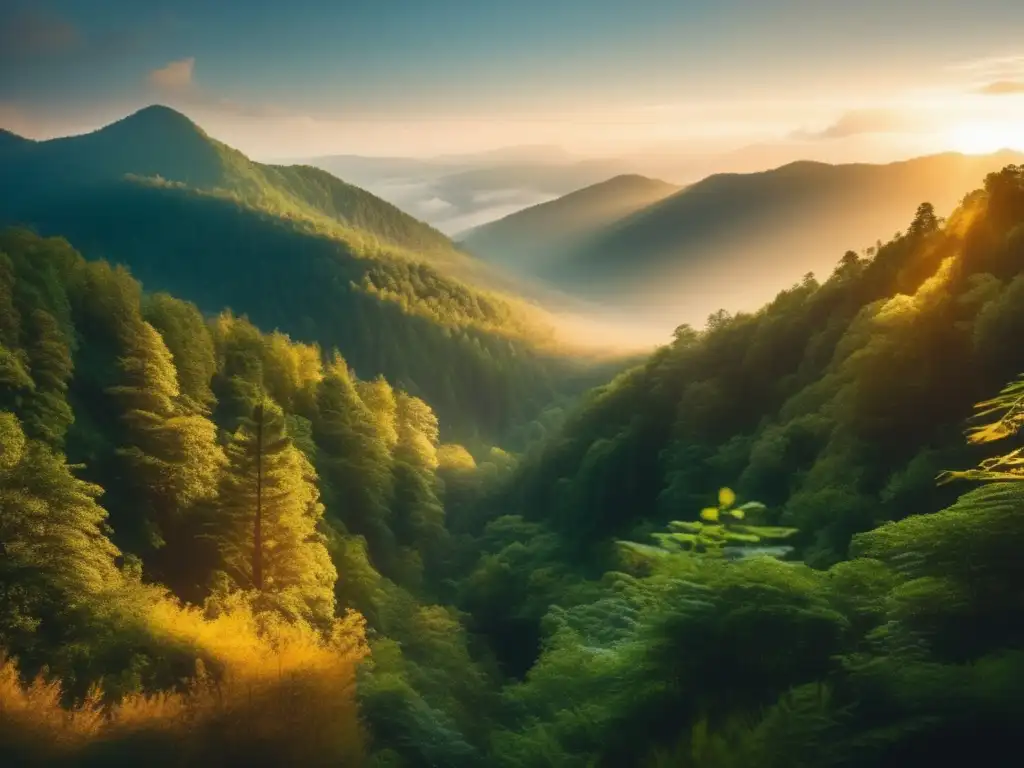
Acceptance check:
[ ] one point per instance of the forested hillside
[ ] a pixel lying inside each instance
(771, 544)
(298, 250)
(885, 638)
(159, 143)
(144, 448)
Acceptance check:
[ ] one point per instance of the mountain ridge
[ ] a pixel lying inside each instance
(727, 240)
(162, 144)
(523, 236)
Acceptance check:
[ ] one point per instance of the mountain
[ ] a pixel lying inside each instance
(159, 143)
(731, 240)
(521, 238)
(298, 250)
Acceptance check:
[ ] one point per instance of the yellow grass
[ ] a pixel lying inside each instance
(280, 695)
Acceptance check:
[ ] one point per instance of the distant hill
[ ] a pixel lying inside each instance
(733, 240)
(522, 240)
(158, 143)
(297, 250)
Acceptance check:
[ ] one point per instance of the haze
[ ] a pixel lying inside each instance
(461, 113)
(645, 78)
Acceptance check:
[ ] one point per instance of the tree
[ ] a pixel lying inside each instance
(189, 341)
(355, 457)
(47, 412)
(418, 513)
(171, 457)
(925, 221)
(266, 524)
(52, 547)
(1008, 408)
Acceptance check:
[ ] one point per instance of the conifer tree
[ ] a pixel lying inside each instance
(171, 455)
(52, 546)
(238, 385)
(419, 515)
(188, 339)
(14, 377)
(355, 459)
(266, 527)
(47, 412)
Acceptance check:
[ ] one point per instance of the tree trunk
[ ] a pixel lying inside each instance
(257, 535)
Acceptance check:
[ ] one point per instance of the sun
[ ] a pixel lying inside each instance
(982, 138)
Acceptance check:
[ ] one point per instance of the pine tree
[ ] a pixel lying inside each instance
(188, 339)
(238, 385)
(419, 515)
(355, 459)
(52, 547)
(47, 412)
(266, 526)
(14, 376)
(171, 457)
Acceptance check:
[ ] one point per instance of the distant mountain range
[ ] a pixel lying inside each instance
(524, 241)
(730, 241)
(295, 249)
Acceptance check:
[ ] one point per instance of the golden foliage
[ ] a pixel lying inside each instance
(265, 692)
(453, 456)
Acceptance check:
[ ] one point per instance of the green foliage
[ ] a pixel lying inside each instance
(294, 249)
(515, 616)
(266, 523)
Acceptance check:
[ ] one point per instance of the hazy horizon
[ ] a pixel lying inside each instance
(595, 80)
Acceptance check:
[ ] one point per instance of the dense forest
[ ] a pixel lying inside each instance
(769, 544)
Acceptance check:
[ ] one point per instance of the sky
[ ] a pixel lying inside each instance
(827, 78)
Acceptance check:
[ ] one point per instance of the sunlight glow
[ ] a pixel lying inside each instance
(980, 138)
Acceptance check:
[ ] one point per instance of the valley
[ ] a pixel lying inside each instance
(599, 387)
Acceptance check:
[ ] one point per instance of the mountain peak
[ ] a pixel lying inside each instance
(157, 118)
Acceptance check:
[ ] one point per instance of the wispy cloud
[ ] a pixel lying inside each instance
(176, 83)
(30, 33)
(1002, 88)
(176, 76)
(991, 66)
(863, 121)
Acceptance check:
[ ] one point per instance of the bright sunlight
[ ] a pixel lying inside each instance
(980, 138)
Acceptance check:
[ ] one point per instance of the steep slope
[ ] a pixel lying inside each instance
(523, 240)
(159, 143)
(190, 215)
(730, 240)
(836, 404)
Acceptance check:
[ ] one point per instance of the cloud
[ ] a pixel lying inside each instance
(175, 81)
(33, 33)
(175, 76)
(1002, 88)
(862, 121)
(992, 66)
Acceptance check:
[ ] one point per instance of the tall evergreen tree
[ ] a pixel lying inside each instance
(53, 551)
(419, 514)
(188, 339)
(171, 457)
(355, 460)
(14, 376)
(266, 527)
(47, 412)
